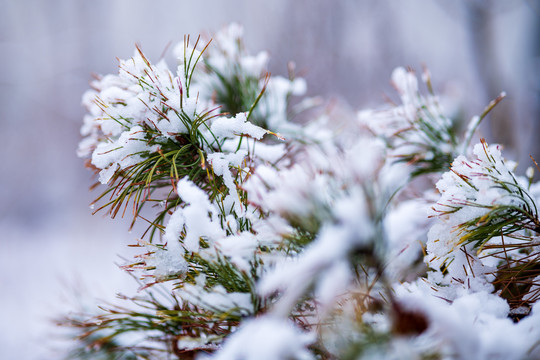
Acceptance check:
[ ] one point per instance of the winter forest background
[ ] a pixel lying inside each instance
(53, 249)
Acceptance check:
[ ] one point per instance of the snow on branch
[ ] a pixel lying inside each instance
(273, 239)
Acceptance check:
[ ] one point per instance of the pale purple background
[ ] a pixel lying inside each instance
(48, 50)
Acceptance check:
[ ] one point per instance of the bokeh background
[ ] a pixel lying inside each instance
(54, 253)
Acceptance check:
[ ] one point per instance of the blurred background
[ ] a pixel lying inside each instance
(52, 248)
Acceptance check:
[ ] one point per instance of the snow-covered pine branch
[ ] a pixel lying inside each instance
(274, 240)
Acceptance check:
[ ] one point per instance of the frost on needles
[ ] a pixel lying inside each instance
(272, 240)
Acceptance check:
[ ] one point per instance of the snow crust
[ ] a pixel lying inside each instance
(266, 338)
(230, 127)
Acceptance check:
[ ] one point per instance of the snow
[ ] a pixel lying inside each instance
(168, 262)
(49, 274)
(266, 338)
(224, 127)
(216, 299)
(273, 105)
(122, 153)
(239, 249)
(260, 151)
(529, 172)
(405, 83)
(172, 126)
(475, 325)
(198, 217)
(255, 65)
(323, 225)
(221, 164)
(405, 227)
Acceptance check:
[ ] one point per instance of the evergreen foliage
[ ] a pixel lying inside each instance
(271, 240)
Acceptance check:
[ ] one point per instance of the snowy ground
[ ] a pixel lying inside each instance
(42, 270)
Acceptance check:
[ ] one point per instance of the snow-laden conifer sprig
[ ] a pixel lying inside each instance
(518, 277)
(417, 131)
(333, 244)
(182, 152)
(287, 250)
(233, 79)
(488, 198)
(149, 326)
(487, 227)
(161, 131)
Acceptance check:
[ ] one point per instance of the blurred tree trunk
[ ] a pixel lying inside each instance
(479, 17)
(534, 113)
